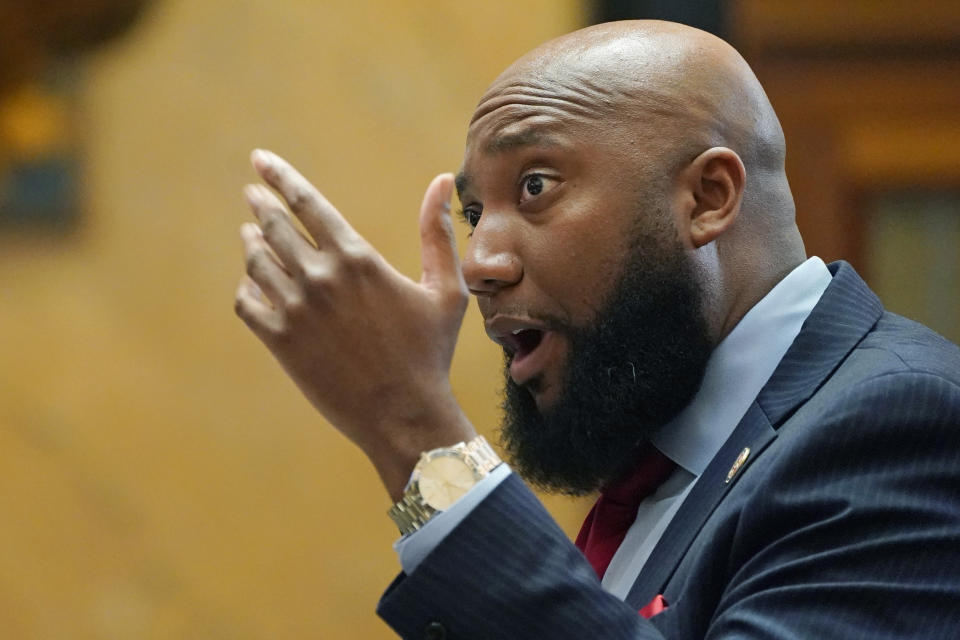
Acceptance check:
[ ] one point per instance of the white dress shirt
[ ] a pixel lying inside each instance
(736, 372)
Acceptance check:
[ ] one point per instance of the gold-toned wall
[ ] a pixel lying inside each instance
(159, 476)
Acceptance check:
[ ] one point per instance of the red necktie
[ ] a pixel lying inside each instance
(616, 508)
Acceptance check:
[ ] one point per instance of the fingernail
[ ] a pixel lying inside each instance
(251, 194)
(260, 158)
(263, 193)
(249, 231)
(254, 289)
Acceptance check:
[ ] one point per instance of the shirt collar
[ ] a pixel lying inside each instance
(739, 367)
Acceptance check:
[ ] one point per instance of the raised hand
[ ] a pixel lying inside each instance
(369, 347)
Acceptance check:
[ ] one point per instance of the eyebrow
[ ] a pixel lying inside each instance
(530, 137)
(461, 181)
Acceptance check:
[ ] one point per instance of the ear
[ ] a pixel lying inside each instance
(715, 180)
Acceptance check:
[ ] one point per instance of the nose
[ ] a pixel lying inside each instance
(491, 261)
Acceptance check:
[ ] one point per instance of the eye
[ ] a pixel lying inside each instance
(534, 184)
(471, 216)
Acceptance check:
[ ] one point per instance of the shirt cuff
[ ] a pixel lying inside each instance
(414, 547)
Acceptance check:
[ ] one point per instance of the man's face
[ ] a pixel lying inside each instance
(553, 203)
(579, 274)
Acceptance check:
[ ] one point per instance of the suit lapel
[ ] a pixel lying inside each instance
(755, 432)
(845, 313)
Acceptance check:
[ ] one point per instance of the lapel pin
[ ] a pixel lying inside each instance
(737, 464)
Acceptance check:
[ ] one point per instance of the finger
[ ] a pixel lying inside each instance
(263, 268)
(250, 305)
(438, 245)
(278, 230)
(320, 218)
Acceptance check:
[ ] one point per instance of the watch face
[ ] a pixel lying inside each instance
(443, 479)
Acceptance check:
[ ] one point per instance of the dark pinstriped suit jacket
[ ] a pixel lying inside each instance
(844, 522)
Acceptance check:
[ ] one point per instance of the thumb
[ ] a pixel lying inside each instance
(438, 245)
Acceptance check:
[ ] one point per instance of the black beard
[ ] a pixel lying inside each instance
(631, 372)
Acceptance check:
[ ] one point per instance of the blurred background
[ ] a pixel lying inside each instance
(159, 476)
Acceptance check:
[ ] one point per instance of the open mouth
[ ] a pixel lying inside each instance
(529, 352)
(522, 342)
(532, 346)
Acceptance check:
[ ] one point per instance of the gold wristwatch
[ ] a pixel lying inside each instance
(439, 479)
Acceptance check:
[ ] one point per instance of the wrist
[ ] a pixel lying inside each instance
(395, 455)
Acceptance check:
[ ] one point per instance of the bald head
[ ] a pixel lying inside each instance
(691, 88)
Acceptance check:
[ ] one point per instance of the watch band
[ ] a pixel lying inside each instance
(411, 512)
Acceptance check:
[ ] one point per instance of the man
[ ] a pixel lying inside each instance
(634, 251)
